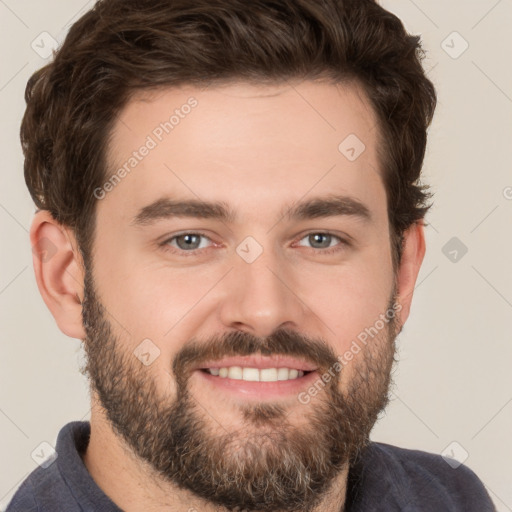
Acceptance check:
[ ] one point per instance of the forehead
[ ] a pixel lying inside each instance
(244, 143)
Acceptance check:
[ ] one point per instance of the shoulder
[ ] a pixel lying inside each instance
(24, 499)
(422, 479)
(42, 489)
(45, 489)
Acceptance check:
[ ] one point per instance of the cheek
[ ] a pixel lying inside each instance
(158, 302)
(349, 300)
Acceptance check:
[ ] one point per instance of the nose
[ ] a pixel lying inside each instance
(260, 297)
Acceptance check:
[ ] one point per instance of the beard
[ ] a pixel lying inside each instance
(269, 464)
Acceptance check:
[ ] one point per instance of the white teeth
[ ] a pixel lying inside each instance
(255, 374)
(251, 374)
(282, 373)
(235, 372)
(268, 374)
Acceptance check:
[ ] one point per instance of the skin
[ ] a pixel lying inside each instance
(258, 149)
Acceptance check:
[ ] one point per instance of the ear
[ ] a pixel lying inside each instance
(58, 268)
(413, 251)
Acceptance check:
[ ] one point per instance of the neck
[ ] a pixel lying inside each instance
(133, 486)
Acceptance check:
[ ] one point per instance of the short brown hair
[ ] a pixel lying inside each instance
(123, 46)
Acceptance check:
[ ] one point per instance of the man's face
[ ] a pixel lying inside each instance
(179, 296)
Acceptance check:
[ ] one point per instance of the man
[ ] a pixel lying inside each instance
(230, 217)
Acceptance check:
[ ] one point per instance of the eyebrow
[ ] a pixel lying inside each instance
(315, 208)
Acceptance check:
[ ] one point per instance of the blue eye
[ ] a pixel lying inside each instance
(323, 241)
(187, 242)
(320, 240)
(191, 243)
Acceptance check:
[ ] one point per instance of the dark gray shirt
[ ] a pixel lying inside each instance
(385, 478)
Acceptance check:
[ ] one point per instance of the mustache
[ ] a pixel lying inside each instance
(238, 343)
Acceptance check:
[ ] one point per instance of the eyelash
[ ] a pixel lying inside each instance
(330, 250)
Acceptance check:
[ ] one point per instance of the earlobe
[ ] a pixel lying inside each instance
(59, 272)
(413, 252)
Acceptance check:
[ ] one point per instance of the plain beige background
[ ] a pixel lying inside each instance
(453, 392)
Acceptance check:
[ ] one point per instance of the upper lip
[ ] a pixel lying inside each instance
(259, 361)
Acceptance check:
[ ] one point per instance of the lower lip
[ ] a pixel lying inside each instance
(259, 390)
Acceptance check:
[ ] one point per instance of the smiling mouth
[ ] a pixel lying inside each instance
(256, 383)
(250, 374)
